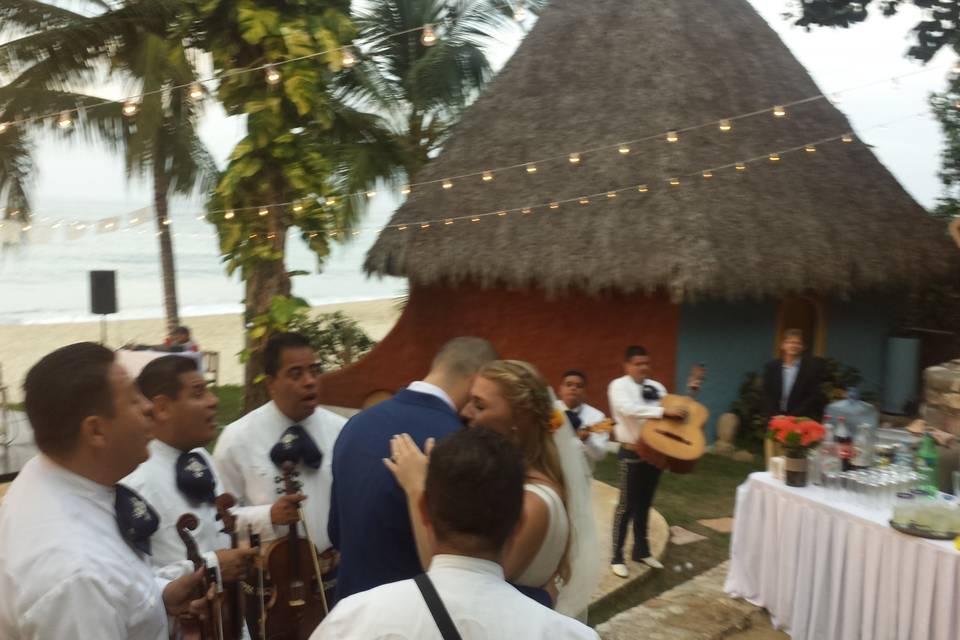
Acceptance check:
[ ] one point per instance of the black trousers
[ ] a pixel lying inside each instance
(638, 482)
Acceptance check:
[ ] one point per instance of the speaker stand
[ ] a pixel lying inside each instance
(103, 330)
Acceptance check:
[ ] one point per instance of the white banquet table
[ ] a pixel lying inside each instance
(826, 569)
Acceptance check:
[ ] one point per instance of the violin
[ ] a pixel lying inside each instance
(297, 602)
(233, 616)
(192, 628)
(258, 608)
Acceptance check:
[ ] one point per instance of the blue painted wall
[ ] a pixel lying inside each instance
(734, 338)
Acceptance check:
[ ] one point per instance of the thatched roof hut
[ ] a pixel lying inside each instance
(596, 73)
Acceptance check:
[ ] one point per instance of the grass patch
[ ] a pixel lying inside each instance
(231, 403)
(708, 492)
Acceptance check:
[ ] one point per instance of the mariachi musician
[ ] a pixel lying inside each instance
(250, 455)
(635, 398)
(179, 478)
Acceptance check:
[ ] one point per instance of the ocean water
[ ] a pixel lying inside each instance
(45, 282)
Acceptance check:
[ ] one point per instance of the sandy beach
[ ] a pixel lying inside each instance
(22, 345)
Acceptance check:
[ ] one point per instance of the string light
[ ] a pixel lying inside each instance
(774, 157)
(708, 174)
(64, 121)
(611, 195)
(741, 166)
(474, 219)
(779, 111)
(487, 176)
(447, 184)
(810, 148)
(520, 12)
(847, 138)
(272, 75)
(130, 108)
(643, 188)
(674, 182)
(425, 225)
(402, 227)
(526, 210)
(672, 136)
(370, 194)
(3, 127)
(554, 205)
(348, 59)
(448, 221)
(725, 125)
(331, 201)
(166, 222)
(406, 190)
(196, 91)
(263, 212)
(500, 214)
(229, 215)
(298, 207)
(584, 200)
(428, 38)
(623, 149)
(531, 168)
(574, 158)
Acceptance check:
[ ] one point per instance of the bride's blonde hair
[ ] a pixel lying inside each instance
(528, 395)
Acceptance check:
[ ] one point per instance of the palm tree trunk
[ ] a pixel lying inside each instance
(265, 279)
(168, 271)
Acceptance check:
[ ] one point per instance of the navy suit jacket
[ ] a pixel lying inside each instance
(369, 522)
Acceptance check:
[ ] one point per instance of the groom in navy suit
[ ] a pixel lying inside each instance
(369, 522)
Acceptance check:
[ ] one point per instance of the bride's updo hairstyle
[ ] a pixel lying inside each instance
(532, 409)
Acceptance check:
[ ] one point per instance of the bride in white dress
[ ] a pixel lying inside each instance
(554, 547)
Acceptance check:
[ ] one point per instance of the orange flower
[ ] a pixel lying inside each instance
(556, 420)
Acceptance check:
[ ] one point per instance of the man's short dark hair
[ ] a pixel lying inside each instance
(793, 333)
(464, 356)
(475, 488)
(63, 389)
(633, 351)
(273, 352)
(161, 377)
(181, 331)
(574, 372)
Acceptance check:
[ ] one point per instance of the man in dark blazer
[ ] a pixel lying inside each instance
(792, 384)
(369, 521)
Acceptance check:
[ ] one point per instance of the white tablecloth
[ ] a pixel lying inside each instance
(135, 361)
(826, 570)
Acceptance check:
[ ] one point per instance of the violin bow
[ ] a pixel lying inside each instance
(316, 561)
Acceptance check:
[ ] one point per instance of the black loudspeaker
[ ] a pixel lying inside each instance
(103, 292)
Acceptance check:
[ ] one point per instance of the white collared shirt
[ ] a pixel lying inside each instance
(480, 603)
(431, 389)
(790, 372)
(595, 446)
(156, 481)
(65, 571)
(630, 409)
(242, 458)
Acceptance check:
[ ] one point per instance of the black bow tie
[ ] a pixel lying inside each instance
(650, 392)
(195, 478)
(574, 418)
(135, 517)
(296, 445)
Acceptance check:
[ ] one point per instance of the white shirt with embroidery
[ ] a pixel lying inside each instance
(66, 573)
(595, 446)
(630, 409)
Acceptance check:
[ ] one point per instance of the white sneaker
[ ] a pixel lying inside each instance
(652, 562)
(620, 570)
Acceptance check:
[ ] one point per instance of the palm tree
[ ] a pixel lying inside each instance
(62, 51)
(423, 90)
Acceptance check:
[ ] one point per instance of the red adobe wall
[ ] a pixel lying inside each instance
(565, 332)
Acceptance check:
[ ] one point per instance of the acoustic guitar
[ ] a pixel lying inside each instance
(677, 443)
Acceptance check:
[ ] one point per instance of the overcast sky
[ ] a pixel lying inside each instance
(82, 181)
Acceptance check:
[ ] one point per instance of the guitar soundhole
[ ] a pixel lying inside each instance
(674, 436)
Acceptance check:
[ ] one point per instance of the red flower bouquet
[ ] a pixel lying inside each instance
(793, 432)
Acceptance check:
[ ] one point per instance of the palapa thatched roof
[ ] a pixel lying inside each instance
(598, 72)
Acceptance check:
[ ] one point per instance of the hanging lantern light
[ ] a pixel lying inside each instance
(725, 125)
(429, 37)
(196, 91)
(531, 168)
(447, 184)
(741, 166)
(574, 158)
(348, 59)
(774, 157)
(623, 149)
(672, 136)
(272, 75)
(643, 188)
(674, 182)
(4, 126)
(65, 121)
(779, 112)
(707, 174)
(487, 176)
(847, 138)
(406, 190)
(228, 215)
(263, 212)
(810, 148)
(130, 108)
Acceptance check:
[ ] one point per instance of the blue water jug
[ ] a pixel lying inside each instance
(862, 419)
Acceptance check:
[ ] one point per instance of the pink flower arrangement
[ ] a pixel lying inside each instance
(791, 431)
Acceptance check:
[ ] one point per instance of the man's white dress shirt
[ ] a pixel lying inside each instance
(790, 372)
(595, 446)
(480, 603)
(630, 409)
(242, 458)
(433, 390)
(65, 571)
(156, 481)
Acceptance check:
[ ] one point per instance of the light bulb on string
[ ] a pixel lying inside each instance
(201, 217)
(554, 205)
(4, 126)
(196, 91)
(331, 201)
(725, 125)
(623, 149)
(447, 184)
(584, 201)
(228, 215)
(263, 212)
(741, 166)
(779, 112)
(501, 213)
(526, 210)
(406, 190)
(574, 158)
(810, 148)
(130, 108)
(672, 136)
(847, 138)
(402, 227)
(297, 207)
(674, 182)
(371, 194)
(643, 188)
(774, 157)
(531, 168)
(65, 121)
(429, 37)
(348, 59)
(707, 174)
(474, 219)
(487, 176)
(272, 75)
(167, 222)
(520, 12)
(611, 195)
(425, 225)
(448, 221)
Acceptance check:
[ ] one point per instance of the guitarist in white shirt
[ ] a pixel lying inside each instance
(635, 398)
(572, 393)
